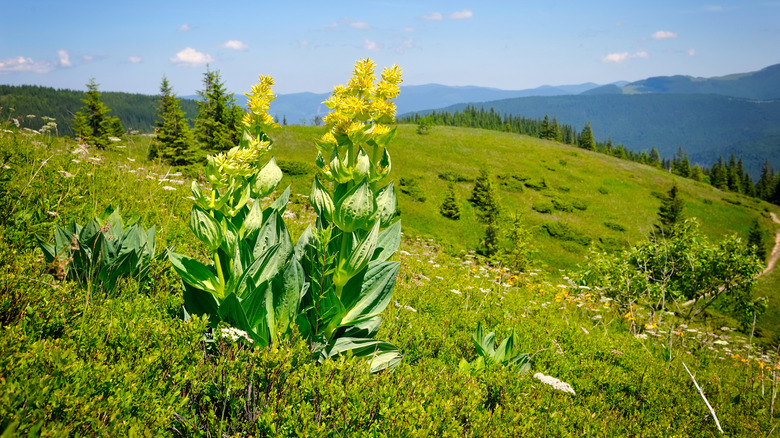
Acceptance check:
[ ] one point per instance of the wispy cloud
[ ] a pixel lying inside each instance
(22, 64)
(621, 57)
(359, 25)
(134, 59)
(185, 27)
(191, 57)
(691, 52)
(663, 35)
(457, 15)
(234, 44)
(405, 45)
(349, 22)
(372, 46)
(461, 15)
(64, 58)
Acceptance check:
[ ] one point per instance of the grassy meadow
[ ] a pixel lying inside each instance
(91, 363)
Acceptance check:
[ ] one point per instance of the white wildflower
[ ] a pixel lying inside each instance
(169, 188)
(555, 383)
(235, 334)
(455, 291)
(114, 139)
(65, 173)
(406, 253)
(131, 159)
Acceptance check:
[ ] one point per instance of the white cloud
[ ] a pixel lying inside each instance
(460, 15)
(303, 43)
(359, 25)
(621, 57)
(235, 45)
(436, 16)
(372, 46)
(134, 59)
(691, 52)
(21, 63)
(184, 28)
(191, 57)
(408, 29)
(663, 35)
(405, 45)
(87, 58)
(64, 58)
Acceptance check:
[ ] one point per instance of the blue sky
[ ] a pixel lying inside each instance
(311, 46)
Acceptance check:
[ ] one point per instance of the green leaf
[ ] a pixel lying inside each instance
(195, 273)
(273, 232)
(267, 179)
(258, 308)
(49, 252)
(281, 202)
(386, 204)
(253, 221)
(321, 200)
(264, 268)
(367, 295)
(388, 242)
(356, 208)
(356, 257)
(288, 290)
(206, 228)
(380, 355)
(362, 166)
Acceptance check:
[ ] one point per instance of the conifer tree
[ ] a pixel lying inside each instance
(485, 199)
(449, 207)
(756, 240)
(92, 122)
(517, 254)
(655, 157)
(173, 143)
(586, 140)
(217, 124)
(765, 184)
(670, 212)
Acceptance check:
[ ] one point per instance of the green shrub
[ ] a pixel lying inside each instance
(537, 184)
(563, 231)
(579, 205)
(603, 190)
(409, 187)
(732, 201)
(561, 205)
(543, 206)
(564, 189)
(453, 176)
(615, 226)
(295, 167)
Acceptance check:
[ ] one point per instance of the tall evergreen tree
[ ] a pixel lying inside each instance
(173, 143)
(92, 122)
(655, 157)
(586, 138)
(449, 207)
(765, 185)
(217, 124)
(670, 212)
(757, 240)
(485, 199)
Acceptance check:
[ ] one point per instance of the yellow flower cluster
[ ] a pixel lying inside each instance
(240, 161)
(362, 101)
(259, 102)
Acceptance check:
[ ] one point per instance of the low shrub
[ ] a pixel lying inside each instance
(453, 176)
(295, 167)
(564, 189)
(561, 205)
(614, 226)
(563, 231)
(579, 205)
(543, 206)
(536, 184)
(603, 190)
(409, 186)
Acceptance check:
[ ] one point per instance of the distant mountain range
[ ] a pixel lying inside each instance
(708, 118)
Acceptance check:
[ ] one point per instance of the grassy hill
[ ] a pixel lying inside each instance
(83, 362)
(702, 124)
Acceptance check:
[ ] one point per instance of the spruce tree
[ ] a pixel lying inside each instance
(670, 212)
(756, 240)
(217, 124)
(765, 184)
(485, 199)
(93, 124)
(173, 143)
(450, 208)
(517, 254)
(586, 140)
(655, 157)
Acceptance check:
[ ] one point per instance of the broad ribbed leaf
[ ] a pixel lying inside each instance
(264, 268)
(206, 228)
(258, 308)
(367, 295)
(252, 222)
(273, 232)
(388, 242)
(287, 292)
(196, 274)
(356, 208)
(380, 355)
(321, 200)
(357, 257)
(362, 166)
(200, 302)
(386, 204)
(267, 179)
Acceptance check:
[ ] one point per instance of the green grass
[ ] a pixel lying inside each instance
(127, 364)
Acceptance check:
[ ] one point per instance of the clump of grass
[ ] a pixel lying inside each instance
(562, 205)
(536, 184)
(543, 206)
(295, 167)
(565, 232)
(453, 176)
(603, 190)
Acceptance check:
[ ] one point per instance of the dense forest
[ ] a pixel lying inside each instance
(137, 112)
